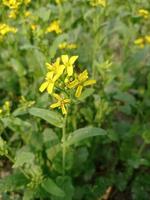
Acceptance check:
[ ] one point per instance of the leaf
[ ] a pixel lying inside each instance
(83, 133)
(49, 116)
(12, 182)
(22, 158)
(86, 93)
(18, 67)
(55, 44)
(52, 151)
(50, 186)
(66, 183)
(16, 124)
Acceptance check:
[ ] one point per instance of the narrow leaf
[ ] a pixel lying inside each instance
(49, 116)
(84, 133)
(50, 186)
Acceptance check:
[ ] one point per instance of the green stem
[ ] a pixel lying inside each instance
(63, 145)
(141, 148)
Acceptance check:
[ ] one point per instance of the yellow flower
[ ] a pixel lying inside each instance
(12, 4)
(33, 27)
(142, 41)
(4, 29)
(59, 1)
(147, 39)
(98, 3)
(1, 111)
(65, 45)
(27, 13)
(80, 82)
(139, 42)
(26, 2)
(6, 106)
(68, 62)
(143, 13)
(49, 82)
(72, 46)
(60, 103)
(54, 27)
(56, 68)
(13, 14)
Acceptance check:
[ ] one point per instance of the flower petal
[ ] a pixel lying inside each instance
(70, 70)
(78, 91)
(64, 111)
(49, 66)
(57, 96)
(89, 82)
(66, 100)
(43, 86)
(55, 105)
(73, 84)
(50, 88)
(73, 59)
(65, 59)
(83, 76)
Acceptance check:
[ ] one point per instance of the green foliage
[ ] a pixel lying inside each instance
(103, 142)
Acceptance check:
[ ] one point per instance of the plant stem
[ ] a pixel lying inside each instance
(64, 145)
(141, 148)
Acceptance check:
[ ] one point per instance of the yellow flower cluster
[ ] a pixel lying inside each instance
(14, 5)
(66, 45)
(4, 29)
(142, 41)
(60, 71)
(144, 13)
(98, 3)
(54, 27)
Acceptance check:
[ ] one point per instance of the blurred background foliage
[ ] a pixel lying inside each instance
(35, 32)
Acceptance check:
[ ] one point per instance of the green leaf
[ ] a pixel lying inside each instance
(22, 158)
(16, 124)
(18, 67)
(12, 182)
(49, 116)
(52, 151)
(50, 186)
(86, 93)
(66, 183)
(83, 133)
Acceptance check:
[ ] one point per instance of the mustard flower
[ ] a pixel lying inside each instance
(13, 14)
(66, 45)
(33, 27)
(26, 2)
(55, 71)
(147, 39)
(56, 68)
(143, 13)
(49, 83)
(60, 103)
(142, 41)
(4, 29)
(12, 4)
(68, 63)
(80, 82)
(98, 3)
(54, 27)
(59, 1)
